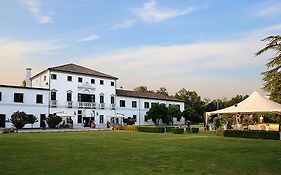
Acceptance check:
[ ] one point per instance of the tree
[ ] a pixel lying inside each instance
(23, 83)
(32, 119)
(191, 115)
(53, 120)
(272, 77)
(19, 119)
(163, 91)
(157, 112)
(173, 112)
(140, 89)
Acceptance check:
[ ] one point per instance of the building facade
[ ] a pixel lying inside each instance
(80, 93)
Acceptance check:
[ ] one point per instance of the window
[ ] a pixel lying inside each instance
(146, 104)
(53, 76)
(135, 117)
(18, 97)
(0, 96)
(101, 99)
(39, 98)
(92, 81)
(178, 119)
(112, 83)
(45, 78)
(101, 82)
(69, 96)
(112, 100)
(101, 118)
(79, 118)
(80, 79)
(69, 78)
(122, 103)
(53, 95)
(134, 104)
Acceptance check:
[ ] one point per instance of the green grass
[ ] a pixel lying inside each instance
(109, 152)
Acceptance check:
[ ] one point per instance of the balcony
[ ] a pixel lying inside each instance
(69, 104)
(102, 105)
(53, 103)
(87, 105)
(113, 106)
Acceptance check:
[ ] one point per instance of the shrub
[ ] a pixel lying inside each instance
(194, 130)
(129, 121)
(177, 130)
(53, 121)
(126, 128)
(5, 131)
(273, 135)
(151, 129)
(19, 119)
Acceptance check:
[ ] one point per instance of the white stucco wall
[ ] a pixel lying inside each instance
(29, 105)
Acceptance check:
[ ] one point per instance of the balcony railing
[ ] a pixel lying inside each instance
(88, 105)
(69, 104)
(53, 103)
(112, 106)
(102, 105)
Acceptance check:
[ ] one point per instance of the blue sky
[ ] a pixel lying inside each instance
(206, 46)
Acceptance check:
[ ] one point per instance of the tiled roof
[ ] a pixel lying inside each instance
(77, 69)
(147, 95)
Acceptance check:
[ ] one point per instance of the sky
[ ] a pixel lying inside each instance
(206, 46)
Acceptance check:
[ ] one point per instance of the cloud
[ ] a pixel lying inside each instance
(124, 25)
(34, 7)
(267, 9)
(224, 68)
(89, 38)
(17, 55)
(150, 13)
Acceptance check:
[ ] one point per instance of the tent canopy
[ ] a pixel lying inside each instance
(253, 104)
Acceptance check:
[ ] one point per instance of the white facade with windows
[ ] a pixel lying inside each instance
(80, 93)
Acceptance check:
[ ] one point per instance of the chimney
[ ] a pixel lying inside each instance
(28, 77)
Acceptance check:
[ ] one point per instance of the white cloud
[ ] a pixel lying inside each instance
(124, 25)
(34, 7)
(150, 13)
(266, 9)
(89, 38)
(15, 56)
(197, 66)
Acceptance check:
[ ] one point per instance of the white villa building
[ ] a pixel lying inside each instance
(80, 93)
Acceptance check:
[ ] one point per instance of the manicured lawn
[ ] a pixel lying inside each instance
(109, 152)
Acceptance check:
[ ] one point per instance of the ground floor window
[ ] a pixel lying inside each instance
(135, 117)
(79, 118)
(101, 118)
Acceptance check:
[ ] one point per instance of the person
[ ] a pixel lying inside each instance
(93, 124)
(43, 125)
(261, 119)
(108, 124)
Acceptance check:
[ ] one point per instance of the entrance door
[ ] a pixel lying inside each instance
(42, 118)
(2, 120)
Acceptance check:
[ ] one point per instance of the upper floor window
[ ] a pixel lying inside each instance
(134, 104)
(112, 83)
(69, 78)
(112, 100)
(39, 98)
(45, 78)
(54, 95)
(122, 103)
(101, 118)
(53, 76)
(92, 81)
(69, 96)
(101, 99)
(146, 104)
(101, 82)
(0, 96)
(18, 97)
(80, 79)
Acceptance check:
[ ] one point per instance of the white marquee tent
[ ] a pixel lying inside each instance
(255, 103)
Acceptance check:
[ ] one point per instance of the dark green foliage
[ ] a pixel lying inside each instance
(32, 119)
(129, 121)
(158, 129)
(19, 119)
(53, 121)
(177, 130)
(6, 131)
(272, 77)
(194, 130)
(157, 112)
(163, 91)
(191, 115)
(272, 135)
(173, 112)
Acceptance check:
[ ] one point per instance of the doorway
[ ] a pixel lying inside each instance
(2, 120)
(42, 119)
(87, 121)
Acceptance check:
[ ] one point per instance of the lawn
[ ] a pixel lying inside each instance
(109, 152)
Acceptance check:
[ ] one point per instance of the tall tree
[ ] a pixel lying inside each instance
(23, 83)
(140, 89)
(272, 77)
(157, 112)
(163, 91)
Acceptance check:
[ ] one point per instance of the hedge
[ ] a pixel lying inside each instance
(141, 128)
(272, 135)
(177, 130)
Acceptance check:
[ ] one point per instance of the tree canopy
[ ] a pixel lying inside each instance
(272, 77)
